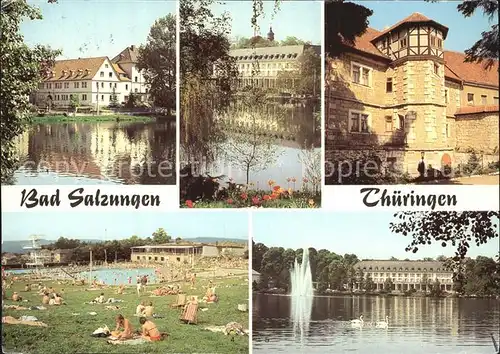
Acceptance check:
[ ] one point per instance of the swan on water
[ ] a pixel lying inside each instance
(357, 323)
(383, 324)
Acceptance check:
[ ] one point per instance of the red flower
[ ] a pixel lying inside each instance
(255, 200)
(189, 203)
(276, 188)
(229, 201)
(266, 197)
(244, 196)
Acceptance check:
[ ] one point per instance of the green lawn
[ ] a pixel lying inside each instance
(68, 333)
(90, 118)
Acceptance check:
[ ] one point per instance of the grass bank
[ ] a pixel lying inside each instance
(67, 333)
(91, 118)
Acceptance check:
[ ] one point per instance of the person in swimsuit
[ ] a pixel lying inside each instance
(127, 328)
(149, 330)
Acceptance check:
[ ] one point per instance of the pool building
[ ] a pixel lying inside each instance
(184, 253)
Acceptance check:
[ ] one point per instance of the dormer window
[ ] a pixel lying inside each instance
(101, 74)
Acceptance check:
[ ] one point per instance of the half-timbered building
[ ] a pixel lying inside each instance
(400, 93)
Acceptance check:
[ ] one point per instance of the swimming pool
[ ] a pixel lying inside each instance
(107, 276)
(121, 275)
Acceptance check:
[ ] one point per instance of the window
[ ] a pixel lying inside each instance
(361, 74)
(470, 98)
(446, 96)
(76, 84)
(102, 84)
(436, 69)
(102, 74)
(433, 41)
(388, 124)
(401, 122)
(484, 100)
(447, 130)
(495, 100)
(106, 66)
(40, 86)
(115, 84)
(84, 97)
(126, 87)
(66, 85)
(403, 42)
(162, 258)
(102, 97)
(440, 43)
(156, 258)
(135, 90)
(49, 86)
(358, 122)
(84, 85)
(58, 85)
(110, 85)
(135, 79)
(388, 85)
(110, 75)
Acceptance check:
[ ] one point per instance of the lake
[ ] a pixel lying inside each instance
(416, 325)
(287, 129)
(82, 153)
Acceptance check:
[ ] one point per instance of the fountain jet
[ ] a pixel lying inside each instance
(302, 295)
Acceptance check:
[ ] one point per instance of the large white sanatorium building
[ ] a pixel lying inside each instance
(93, 80)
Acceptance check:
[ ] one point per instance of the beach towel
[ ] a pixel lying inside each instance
(133, 341)
(12, 320)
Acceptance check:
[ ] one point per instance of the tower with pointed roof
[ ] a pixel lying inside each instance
(416, 74)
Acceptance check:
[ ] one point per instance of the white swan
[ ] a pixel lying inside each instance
(357, 323)
(383, 324)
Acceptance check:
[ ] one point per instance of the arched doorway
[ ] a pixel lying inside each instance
(446, 165)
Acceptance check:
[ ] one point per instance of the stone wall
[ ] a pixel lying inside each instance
(477, 132)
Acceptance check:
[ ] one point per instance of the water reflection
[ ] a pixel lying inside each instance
(416, 325)
(292, 128)
(97, 153)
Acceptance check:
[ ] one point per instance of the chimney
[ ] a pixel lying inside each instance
(132, 47)
(72, 72)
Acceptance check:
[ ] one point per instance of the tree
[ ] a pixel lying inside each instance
(424, 283)
(251, 149)
(258, 251)
(132, 101)
(344, 21)
(158, 60)
(369, 284)
(254, 42)
(21, 71)
(291, 40)
(436, 289)
(74, 102)
(113, 99)
(160, 236)
(208, 75)
(388, 284)
(459, 229)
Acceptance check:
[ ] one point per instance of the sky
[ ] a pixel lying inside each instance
(463, 32)
(365, 234)
(114, 226)
(92, 28)
(301, 19)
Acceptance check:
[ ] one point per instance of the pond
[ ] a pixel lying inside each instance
(286, 132)
(80, 153)
(416, 325)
